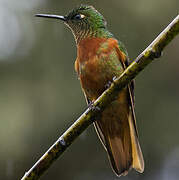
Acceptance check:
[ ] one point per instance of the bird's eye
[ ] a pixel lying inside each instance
(79, 16)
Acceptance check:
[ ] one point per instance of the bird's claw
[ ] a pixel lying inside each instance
(114, 78)
(92, 107)
(110, 82)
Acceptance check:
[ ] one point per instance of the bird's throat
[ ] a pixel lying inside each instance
(90, 33)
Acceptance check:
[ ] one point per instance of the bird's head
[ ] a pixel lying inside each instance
(84, 21)
(84, 18)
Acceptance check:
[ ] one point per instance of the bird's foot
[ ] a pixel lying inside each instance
(92, 107)
(114, 78)
(110, 82)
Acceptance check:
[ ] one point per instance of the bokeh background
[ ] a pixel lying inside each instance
(40, 95)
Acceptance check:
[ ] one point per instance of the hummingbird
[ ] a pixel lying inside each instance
(100, 59)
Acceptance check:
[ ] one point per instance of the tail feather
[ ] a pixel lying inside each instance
(120, 159)
(117, 131)
(138, 161)
(119, 150)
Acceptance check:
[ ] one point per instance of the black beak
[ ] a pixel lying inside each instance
(63, 18)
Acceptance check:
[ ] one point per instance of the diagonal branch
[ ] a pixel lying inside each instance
(153, 51)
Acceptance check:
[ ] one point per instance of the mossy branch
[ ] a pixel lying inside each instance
(153, 51)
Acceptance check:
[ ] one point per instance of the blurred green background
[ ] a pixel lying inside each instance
(40, 95)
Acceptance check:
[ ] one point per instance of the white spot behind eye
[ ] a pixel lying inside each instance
(82, 16)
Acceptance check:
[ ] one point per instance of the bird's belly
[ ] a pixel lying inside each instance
(93, 86)
(94, 81)
(96, 72)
